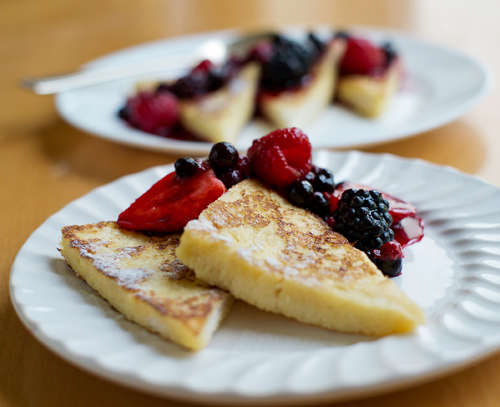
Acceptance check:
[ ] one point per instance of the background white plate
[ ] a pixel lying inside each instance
(441, 84)
(454, 274)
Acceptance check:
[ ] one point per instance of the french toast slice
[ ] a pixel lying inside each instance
(140, 276)
(220, 115)
(286, 260)
(298, 107)
(370, 96)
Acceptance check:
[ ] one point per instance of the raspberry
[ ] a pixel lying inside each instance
(361, 57)
(281, 157)
(172, 202)
(151, 111)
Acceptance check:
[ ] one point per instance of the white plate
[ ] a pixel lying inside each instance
(454, 274)
(441, 85)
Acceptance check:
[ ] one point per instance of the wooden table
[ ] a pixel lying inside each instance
(45, 163)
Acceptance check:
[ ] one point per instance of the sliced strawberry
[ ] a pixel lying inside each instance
(172, 202)
(361, 57)
(409, 230)
(398, 208)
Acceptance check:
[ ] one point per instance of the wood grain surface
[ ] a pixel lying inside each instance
(45, 163)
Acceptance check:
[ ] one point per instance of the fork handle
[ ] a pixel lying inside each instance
(72, 80)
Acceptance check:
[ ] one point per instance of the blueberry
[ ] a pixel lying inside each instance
(123, 113)
(341, 34)
(319, 204)
(389, 51)
(316, 42)
(310, 176)
(324, 182)
(390, 268)
(223, 156)
(300, 193)
(231, 177)
(186, 167)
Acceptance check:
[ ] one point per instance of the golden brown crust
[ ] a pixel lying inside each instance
(152, 258)
(312, 244)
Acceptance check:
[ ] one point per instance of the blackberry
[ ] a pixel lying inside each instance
(186, 167)
(300, 193)
(363, 218)
(289, 64)
(223, 156)
(319, 205)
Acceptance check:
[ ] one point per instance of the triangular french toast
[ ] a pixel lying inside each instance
(140, 276)
(298, 107)
(370, 96)
(284, 259)
(220, 115)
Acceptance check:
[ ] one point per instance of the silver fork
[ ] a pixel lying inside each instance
(215, 50)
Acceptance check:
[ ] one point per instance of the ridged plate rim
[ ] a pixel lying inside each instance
(241, 388)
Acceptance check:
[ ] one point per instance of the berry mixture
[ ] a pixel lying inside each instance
(285, 64)
(375, 222)
(157, 111)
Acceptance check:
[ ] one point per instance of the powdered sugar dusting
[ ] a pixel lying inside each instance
(109, 263)
(129, 278)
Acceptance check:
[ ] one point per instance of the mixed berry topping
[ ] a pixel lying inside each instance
(375, 222)
(203, 78)
(286, 64)
(363, 218)
(281, 157)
